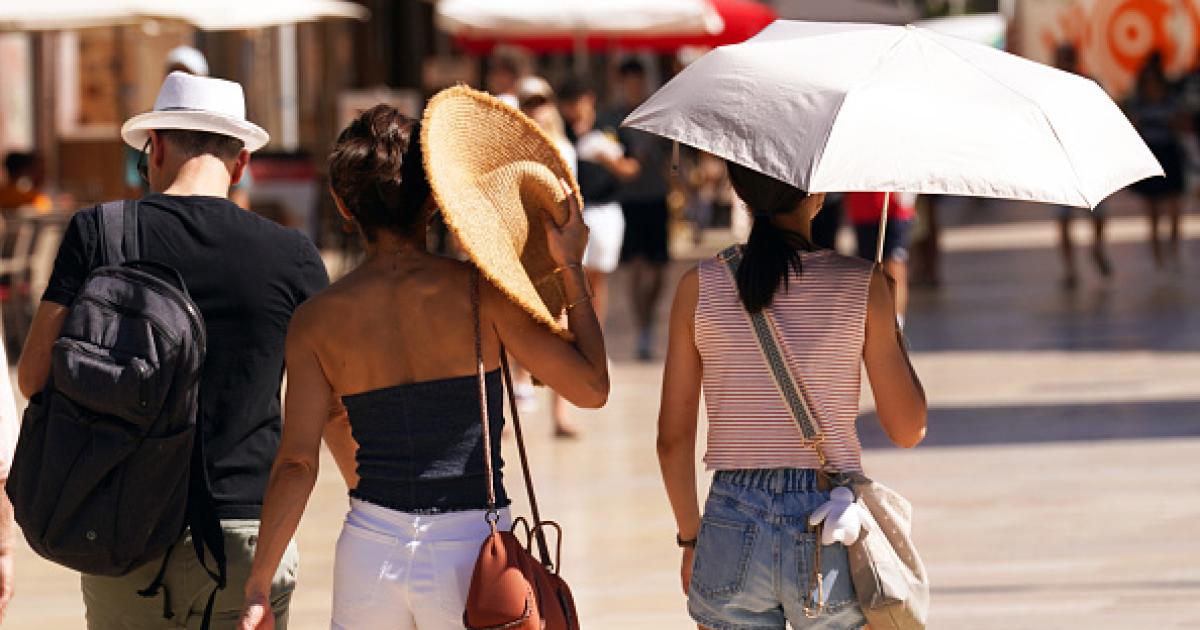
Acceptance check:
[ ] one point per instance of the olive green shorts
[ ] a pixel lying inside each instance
(114, 603)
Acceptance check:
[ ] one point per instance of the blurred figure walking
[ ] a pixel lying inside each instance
(1067, 58)
(1157, 116)
(602, 167)
(865, 211)
(644, 202)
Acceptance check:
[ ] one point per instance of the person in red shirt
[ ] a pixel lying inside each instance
(864, 210)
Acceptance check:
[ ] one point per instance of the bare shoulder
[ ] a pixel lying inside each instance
(687, 293)
(324, 307)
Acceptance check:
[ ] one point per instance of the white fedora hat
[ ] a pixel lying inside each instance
(197, 104)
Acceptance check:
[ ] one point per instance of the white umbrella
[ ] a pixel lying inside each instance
(846, 107)
(209, 15)
(548, 18)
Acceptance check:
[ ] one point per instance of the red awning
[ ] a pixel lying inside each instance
(743, 19)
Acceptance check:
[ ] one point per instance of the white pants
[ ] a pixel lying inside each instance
(401, 571)
(606, 227)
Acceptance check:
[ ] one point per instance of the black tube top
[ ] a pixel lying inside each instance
(420, 445)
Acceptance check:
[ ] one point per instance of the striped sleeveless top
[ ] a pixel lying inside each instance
(821, 318)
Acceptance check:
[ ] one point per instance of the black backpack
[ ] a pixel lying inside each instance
(109, 467)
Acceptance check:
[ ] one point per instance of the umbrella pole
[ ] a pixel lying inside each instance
(887, 198)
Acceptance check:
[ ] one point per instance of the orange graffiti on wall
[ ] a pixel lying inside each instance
(1114, 37)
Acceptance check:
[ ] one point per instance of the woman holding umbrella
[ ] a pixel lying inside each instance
(744, 561)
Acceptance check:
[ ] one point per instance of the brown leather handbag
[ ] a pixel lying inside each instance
(512, 589)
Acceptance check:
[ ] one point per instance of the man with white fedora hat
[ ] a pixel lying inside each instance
(246, 275)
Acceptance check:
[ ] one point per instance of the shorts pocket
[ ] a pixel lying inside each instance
(723, 552)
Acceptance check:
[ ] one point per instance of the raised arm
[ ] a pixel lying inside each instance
(677, 416)
(577, 370)
(899, 397)
(294, 473)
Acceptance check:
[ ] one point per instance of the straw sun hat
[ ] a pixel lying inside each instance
(494, 175)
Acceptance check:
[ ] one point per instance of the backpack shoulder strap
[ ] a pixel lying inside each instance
(118, 228)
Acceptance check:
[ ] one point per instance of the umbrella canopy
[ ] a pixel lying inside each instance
(209, 15)
(543, 18)
(741, 20)
(855, 107)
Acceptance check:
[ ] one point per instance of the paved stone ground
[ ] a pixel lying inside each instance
(1057, 489)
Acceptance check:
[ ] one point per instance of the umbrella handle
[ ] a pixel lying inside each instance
(883, 217)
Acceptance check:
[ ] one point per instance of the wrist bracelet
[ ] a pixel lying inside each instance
(581, 301)
(685, 544)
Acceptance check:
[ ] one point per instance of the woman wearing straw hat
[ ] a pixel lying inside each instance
(393, 350)
(748, 562)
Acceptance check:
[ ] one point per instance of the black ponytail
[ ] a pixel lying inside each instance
(771, 252)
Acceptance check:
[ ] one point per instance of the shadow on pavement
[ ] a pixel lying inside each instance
(1012, 299)
(1081, 587)
(979, 426)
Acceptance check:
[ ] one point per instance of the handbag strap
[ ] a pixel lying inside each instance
(492, 513)
(790, 389)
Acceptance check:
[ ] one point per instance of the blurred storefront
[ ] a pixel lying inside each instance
(65, 93)
(1114, 37)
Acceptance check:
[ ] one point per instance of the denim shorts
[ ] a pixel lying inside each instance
(754, 556)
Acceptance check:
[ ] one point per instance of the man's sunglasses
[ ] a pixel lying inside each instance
(142, 167)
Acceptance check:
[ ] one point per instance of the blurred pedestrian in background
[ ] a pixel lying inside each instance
(602, 167)
(1067, 58)
(646, 247)
(837, 314)
(537, 101)
(1156, 114)
(865, 209)
(706, 188)
(505, 68)
(828, 222)
(24, 177)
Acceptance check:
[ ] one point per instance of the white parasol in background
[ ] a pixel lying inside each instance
(547, 18)
(833, 107)
(209, 15)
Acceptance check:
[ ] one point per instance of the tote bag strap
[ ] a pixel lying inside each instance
(492, 513)
(790, 389)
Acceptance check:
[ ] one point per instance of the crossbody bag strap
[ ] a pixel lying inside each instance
(489, 474)
(538, 532)
(790, 390)
(489, 465)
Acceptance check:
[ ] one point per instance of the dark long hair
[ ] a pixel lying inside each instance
(770, 252)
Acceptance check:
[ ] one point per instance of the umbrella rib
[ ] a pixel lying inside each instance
(1032, 102)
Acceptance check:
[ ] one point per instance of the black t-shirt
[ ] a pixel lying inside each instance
(247, 275)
